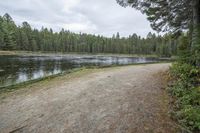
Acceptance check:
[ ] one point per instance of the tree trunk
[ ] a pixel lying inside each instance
(196, 33)
(196, 12)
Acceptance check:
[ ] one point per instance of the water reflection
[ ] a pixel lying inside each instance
(16, 69)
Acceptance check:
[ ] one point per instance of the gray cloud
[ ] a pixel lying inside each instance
(104, 17)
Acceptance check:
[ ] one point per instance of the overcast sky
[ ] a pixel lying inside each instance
(104, 17)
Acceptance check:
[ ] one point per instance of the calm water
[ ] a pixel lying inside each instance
(17, 69)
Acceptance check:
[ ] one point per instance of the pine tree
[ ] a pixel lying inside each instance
(183, 48)
(171, 15)
(25, 38)
(24, 41)
(9, 33)
(174, 16)
(1, 33)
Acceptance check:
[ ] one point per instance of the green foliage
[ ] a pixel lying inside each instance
(8, 28)
(196, 46)
(28, 39)
(186, 92)
(184, 49)
(185, 71)
(171, 15)
(174, 16)
(190, 117)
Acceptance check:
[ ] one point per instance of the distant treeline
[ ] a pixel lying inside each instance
(13, 37)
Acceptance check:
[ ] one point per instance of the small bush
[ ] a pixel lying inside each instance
(186, 92)
(190, 117)
(184, 72)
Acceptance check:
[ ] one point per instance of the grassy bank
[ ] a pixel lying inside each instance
(14, 87)
(29, 53)
(17, 86)
(45, 82)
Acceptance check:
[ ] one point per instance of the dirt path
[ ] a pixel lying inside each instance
(113, 100)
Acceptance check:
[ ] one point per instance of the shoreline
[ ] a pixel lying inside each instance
(31, 53)
(96, 94)
(17, 86)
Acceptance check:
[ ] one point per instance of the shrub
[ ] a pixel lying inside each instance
(186, 92)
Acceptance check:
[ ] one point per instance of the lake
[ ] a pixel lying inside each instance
(17, 69)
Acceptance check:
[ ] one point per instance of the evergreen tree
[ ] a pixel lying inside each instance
(28, 39)
(174, 16)
(8, 33)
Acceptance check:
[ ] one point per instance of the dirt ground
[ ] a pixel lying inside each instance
(128, 99)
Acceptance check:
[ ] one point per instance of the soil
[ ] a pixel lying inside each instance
(129, 99)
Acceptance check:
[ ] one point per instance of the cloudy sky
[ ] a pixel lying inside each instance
(104, 17)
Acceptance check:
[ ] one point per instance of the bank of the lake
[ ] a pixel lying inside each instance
(89, 69)
(18, 68)
(32, 53)
(92, 100)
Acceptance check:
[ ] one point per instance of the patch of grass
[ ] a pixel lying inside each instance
(31, 53)
(14, 87)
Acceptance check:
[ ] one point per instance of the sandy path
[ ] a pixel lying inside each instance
(116, 100)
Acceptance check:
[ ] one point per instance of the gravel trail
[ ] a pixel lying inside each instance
(128, 99)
